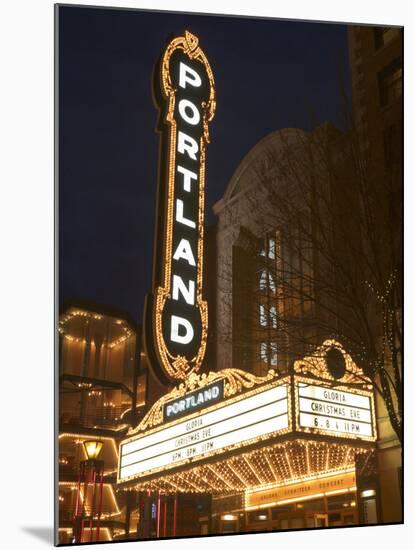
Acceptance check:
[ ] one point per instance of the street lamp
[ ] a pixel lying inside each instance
(89, 495)
(92, 449)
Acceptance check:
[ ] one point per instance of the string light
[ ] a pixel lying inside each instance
(94, 393)
(282, 464)
(90, 315)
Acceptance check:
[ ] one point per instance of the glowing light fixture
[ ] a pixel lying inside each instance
(92, 449)
(368, 493)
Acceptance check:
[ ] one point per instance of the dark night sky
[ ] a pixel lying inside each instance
(269, 75)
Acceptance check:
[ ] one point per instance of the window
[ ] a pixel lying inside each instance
(273, 356)
(271, 249)
(263, 352)
(262, 315)
(273, 316)
(390, 82)
(268, 273)
(266, 281)
(268, 349)
(267, 316)
(267, 264)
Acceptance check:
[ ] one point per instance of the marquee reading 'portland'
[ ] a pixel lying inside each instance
(176, 319)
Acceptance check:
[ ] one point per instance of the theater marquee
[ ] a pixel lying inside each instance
(176, 313)
(232, 412)
(329, 405)
(246, 419)
(335, 412)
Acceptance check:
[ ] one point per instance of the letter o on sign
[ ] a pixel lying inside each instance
(183, 107)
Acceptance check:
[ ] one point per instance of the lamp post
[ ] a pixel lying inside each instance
(89, 494)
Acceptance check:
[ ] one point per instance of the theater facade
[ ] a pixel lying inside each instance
(251, 441)
(238, 405)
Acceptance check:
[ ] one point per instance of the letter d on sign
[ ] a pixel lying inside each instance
(176, 323)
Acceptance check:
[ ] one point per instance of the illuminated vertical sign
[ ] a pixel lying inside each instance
(176, 314)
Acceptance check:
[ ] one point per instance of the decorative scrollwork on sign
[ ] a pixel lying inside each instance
(235, 381)
(317, 365)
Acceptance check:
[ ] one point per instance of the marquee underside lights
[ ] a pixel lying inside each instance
(176, 313)
(281, 463)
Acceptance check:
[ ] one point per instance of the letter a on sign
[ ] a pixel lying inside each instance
(175, 328)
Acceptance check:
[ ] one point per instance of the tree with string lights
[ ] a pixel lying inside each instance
(316, 254)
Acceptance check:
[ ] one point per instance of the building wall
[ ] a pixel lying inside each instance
(389, 469)
(377, 79)
(376, 70)
(375, 111)
(251, 244)
(243, 223)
